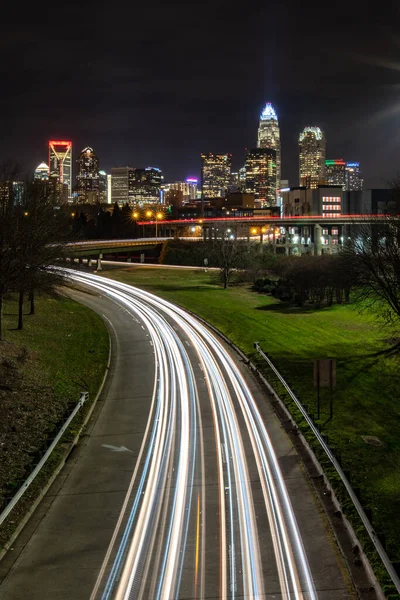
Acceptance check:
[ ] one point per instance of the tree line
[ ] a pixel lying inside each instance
(32, 231)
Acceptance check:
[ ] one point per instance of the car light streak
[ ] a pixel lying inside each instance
(171, 449)
(196, 573)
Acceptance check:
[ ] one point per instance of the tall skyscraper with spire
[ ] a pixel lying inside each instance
(60, 163)
(312, 148)
(269, 137)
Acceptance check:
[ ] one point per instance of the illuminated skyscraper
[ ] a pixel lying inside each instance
(188, 188)
(269, 137)
(261, 176)
(121, 185)
(41, 172)
(335, 172)
(312, 157)
(354, 181)
(88, 176)
(60, 161)
(146, 185)
(215, 173)
(103, 187)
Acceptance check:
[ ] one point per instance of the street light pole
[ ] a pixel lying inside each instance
(158, 216)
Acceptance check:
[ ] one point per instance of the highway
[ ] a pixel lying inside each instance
(159, 546)
(202, 509)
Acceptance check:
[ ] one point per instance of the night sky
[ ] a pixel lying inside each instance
(156, 83)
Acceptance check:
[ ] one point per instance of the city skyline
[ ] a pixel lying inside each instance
(166, 102)
(268, 136)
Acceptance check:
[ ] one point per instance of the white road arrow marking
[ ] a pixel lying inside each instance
(116, 448)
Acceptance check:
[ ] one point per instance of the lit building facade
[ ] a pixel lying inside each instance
(215, 173)
(261, 176)
(324, 200)
(122, 185)
(109, 189)
(335, 172)
(188, 188)
(103, 187)
(242, 178)
(354, 181)
(41, 172)
(146, 185)
(60, 163)
(88, 176)
(234, 183)
(312, 148)
(269, 137)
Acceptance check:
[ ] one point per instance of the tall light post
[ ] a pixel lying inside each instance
(158, 216)
(134, 217)
(148, 215)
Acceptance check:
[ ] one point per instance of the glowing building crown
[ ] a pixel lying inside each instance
(268, 113)
(316, 131)
(42, 167)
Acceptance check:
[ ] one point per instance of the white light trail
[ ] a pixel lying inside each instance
(170, 446)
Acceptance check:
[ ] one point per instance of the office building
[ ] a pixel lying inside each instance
(103, 187)
(109, 189)
(242, 178)
(324, 200)
(146, 185)
(261, 176)
(60, 163)
(215, 173)
(335, 172)
(312, 146)
(121, 185)
(188, 188)
(88, 177)
(173, 197)
(269, 137)
(354, 181)
(41, 172)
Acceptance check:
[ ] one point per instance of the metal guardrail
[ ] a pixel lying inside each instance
(84, 397)
(366, 522)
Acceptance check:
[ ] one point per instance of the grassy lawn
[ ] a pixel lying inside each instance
(61, 351)
(366, 399)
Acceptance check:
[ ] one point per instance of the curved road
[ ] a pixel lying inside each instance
(203, 510)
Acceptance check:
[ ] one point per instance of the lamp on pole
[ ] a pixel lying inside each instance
(158, 216)
(148, 215)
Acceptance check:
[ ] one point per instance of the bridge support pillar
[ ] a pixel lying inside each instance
(317, 239)
(89, 262)
(99, 267)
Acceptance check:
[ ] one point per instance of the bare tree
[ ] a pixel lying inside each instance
(42, 229)
(30, 233)
(373, 258)
(229, 255)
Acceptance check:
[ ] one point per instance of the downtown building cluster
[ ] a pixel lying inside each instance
(259, 180)
(257, 186)
(123, 185)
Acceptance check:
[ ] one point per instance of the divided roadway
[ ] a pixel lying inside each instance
(185, 484)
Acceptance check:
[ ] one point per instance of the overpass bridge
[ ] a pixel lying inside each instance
(288, 235)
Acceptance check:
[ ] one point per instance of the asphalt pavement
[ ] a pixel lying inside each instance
(61, 552)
